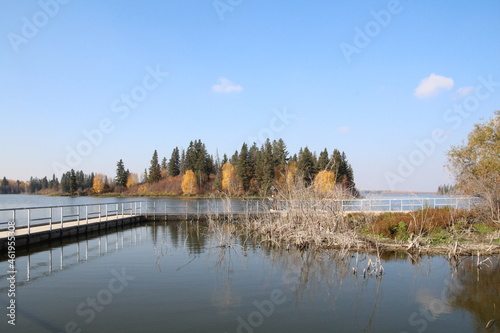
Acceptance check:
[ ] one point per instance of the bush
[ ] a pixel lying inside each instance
(421, 222)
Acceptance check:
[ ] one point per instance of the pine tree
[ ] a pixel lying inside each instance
(268, 162)
(154, 169)
(174, 163)
(306, 165)
(280, 153)
(182, 163)
(164, 163)
(244, 168)
(234, 158)
(121, 174)
(72, 183)
(323, 161)
(198, 160)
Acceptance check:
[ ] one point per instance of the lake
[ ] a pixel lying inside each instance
(175, 277)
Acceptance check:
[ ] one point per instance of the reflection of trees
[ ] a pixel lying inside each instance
(313, 274)
(477, 291)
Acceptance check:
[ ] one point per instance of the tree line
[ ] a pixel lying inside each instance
(253, 170)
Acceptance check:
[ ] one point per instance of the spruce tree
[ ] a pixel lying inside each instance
(323, 161)
(268, 162)
(244, 168)
(279, 152)
(182, 163)
(121, 174)
(174, 163)
(72, 183)
(306, 165)
(154, 169)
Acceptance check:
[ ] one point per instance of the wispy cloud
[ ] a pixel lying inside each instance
(433, 85)
(226, 86)
(465, 91)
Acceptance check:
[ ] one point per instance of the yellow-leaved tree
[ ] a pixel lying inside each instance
(98, 183)
(291, 173)
(132, 180)
(230, 180)
(324, 181)
(189, 185)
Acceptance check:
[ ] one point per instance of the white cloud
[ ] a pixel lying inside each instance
(433, 85)
(344, 129)
(226, 86)
(465, 91)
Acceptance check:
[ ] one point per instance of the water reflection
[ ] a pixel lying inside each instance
(477, 290)
(43, 261)
(197, 277)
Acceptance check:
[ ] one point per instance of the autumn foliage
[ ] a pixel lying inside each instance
(99, 183)
(189, 184)
(230, 181)
(324, 181)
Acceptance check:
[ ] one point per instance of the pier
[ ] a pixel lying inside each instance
(33, 225)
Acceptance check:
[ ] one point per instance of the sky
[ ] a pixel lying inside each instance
(393, 84)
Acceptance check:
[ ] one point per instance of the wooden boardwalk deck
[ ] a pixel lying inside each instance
(45, 232)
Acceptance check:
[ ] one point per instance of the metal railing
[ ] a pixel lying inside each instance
(50, 215)
(381, 204)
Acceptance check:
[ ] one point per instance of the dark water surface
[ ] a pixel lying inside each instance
(174, 277)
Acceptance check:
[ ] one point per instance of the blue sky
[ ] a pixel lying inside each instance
(394, 84)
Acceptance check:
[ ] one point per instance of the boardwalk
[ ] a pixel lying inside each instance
(39, 224)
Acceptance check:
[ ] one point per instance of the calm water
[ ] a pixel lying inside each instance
(160, 205)
(174, 277)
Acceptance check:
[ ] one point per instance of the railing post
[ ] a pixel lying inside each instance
(78, 215)
(186, 210)
(29, 221)
(87, 214)
(50, 221)
(62, 218)
(106, 211)
(100, 213)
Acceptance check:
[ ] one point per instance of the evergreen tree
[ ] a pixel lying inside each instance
(73, 187)
(279, 152)
(234, 158)
(182, 163)
(244, 169)
(65, 182)
(164, 163)
(198, 160)
(306, 165)
(174, 163)
(154, 169)
(121, 174)
(268, 161)
(323, 161)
